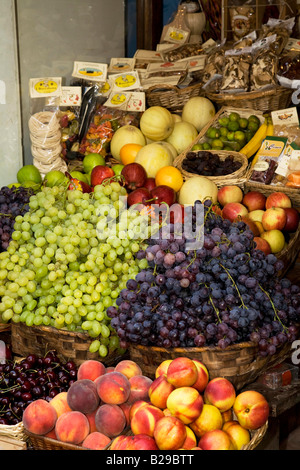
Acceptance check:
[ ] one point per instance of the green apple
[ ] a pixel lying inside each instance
(117, 169)
(91, 160)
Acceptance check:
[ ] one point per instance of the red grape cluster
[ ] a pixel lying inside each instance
(226, 292)
(30, 379)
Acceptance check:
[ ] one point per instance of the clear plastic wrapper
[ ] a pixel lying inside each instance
(236, 71)
(242, 18)
(212, 75)
(283, 30)
(263, 73)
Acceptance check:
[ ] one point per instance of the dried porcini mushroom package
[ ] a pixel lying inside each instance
(265, 65)
(214, 68)
(283, 30)
(236, 71)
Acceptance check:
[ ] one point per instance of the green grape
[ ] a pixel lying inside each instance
(94, 346)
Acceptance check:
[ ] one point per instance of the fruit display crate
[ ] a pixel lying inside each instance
(69, 345)
(240, 363)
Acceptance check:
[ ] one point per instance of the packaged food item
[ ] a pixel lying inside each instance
(264, 66)
(266, 160)
(283, 30)
(212, 75)
(245, 41)
(242, 18)
(279, 376)
(236, 71)
(182, 52)
(289, 65)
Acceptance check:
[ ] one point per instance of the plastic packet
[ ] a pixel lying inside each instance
(263, 73)
(213, 69)
(245, 41)
(236, 71)
(44, 125)
(242, 18)
(266, 160)
(183, 52)
(283, 30)
(103, 121)
(289, 65)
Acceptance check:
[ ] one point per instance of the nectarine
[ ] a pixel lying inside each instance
(221, 393)
(182, 372)
(251, 409)
(185, 403)
(169, 433)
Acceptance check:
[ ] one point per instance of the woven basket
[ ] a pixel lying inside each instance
(265, 101)
(267, 189)
(47, 443)
(69, 345)
(172, 97)
(13, 431)
(239, 363)
(238, 176)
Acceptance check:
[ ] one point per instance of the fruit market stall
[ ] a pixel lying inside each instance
(145, 253)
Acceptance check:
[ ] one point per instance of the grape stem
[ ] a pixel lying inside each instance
(215, 309)
(274, 308)
(233, 282)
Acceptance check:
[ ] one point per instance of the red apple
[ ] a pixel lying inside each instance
(134, 175)
(100, 173)
(274, 219)
(150, 183)
(278, 199)
(251, 409)
(292, 219)
(138, 196)
(230, 193)
(262, 245)
(233, 210)
(163, 193)
(254, 201)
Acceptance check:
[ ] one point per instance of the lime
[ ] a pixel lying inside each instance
(227, 147)
(79, 175)
(29, 173)
(223, 131)
(248, 134)
(230, 135)
(243, 123)
(233, 126)
(233, 117)
(206, 146)
(253, 126)
(197, 147)
(223, 121)
(212, 133)
(91, 160)
(239, 136)
(217, 144)
(254, 118)
(55, 178)
(223, 138)
(117, 169)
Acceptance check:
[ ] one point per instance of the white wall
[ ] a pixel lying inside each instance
(10, 131)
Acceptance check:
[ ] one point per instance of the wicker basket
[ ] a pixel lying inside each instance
(172, 97)
(265, 101)
(238, 176)
(239, 363)
(69, 345)
(47, 443)
(267, 189)
(13, 431)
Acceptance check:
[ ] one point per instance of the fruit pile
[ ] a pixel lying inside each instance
(121, 408)
(69, 257)
(32, 378)
(13, 202)
(205, 163)
(223, 292)
(272, 219)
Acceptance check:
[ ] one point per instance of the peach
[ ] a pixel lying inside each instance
(278, 199)
(60, 403)
(126, 407)
(162, 368)
(209, 420)
(256, 215)
(230, 193)
(91, 419)
(190, 440)
(274, 219)
(144, 442)
(221, 393)
(110, 420)
(251, 409)
(216, 440)
(159, 391)
(139, 386)
(122, 442)
(136, 406)
(203, 376)
(82, 396)
(233, 210)
(227, 415)
(39, 417)
(51, 434)
(167, 412)
(182, 372)
(254, 200)
(145, 419)
(90, 369)
(229, 423)
(128, 368)
(113, 388)
(72, 427)
(185, 403)
(109, 369)
(169, 433)
(238, 435)
(262, 245)
(96, 441)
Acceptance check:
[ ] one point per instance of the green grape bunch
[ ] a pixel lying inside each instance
(69, 258)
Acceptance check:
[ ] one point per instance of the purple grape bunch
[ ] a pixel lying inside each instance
(225, 293)
(32, 378)
(13, 202)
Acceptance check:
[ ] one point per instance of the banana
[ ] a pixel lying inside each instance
(270, 128)
(254, 144)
